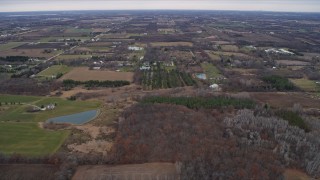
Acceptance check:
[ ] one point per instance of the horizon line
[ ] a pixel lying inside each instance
(76, 10)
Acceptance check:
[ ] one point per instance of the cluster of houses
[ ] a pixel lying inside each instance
(135, 48)
(278, 51)
(44, 108)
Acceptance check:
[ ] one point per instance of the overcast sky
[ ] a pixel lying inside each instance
(251, 5)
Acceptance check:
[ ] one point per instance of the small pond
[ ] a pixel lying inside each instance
(78, 118)
(201, 76)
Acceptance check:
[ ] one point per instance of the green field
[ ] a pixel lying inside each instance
(99, 48)
(72, 57)
(19, 129)
(10, 45)
(17, 112)
(77, 30)
(213, 56)
(211, 72)
(29, 139)
(54, 70)
(306, 84)
(60, 39)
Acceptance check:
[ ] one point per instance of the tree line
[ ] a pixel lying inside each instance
(202, 102)
(15, 58)
(279, 83)
(68, 83)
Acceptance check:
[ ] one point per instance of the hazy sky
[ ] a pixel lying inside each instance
(260, 5)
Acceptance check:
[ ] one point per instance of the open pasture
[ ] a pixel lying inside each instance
(63, 39)
(18, 105)
(54, 70)
(164, 44)
(54, 45)
(211, 72)
(72, 57)
(29, 139)
(35, 53)
(119, 35)
(292, 63)
(84, 74)
(136, 171)
(306, 85)
(213, 56)
(10, 45)
(232, 54)
(95, 44)
(30, 171)
(285, 100)
(230, 48)
(73, 30)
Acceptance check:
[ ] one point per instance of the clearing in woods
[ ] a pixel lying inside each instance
(133, 171)
(85, 74)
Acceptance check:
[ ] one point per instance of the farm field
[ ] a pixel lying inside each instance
(136, 171)
(72, 57)
(28, 52)
(162, 77)
(10, 45)
(292, 63)
(30, 171)
(119, 35)
(294, 174)
(54, 70)
(17, 112)
(72, 30)
(306, 84)
(99, 48)
(232, 48)
(29, 139)
(77, 75)
(213, 56)
(61, 39)
(163, 44)
(285, 100)
(211, 71)
(232, 54)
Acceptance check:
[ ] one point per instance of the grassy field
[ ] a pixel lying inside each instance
(306, 84)
(30, 171)
(19, 129)
(54, 70)
(163, 44)
(10, 45)
(211, 71)
(28, 52)
(232, 48)
(77, 75)
(143, 171)
(99, 48)
(77, 30)
(28, 139)
(72, 57)
(56, 39)
(17, 112)
(213, 56)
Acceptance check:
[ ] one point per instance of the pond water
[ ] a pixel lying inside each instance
(201, 76)
(78, 118)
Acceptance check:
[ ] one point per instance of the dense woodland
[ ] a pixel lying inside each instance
(245, 146)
